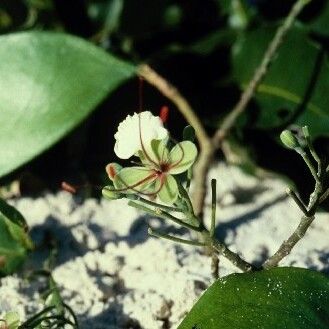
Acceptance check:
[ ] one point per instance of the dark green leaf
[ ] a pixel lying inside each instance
(49, 83)
(14, 240)
(299, 74)
(321, 23)
(286, 297)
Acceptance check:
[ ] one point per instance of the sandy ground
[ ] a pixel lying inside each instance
(115, 276)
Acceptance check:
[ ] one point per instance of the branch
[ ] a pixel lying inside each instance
(172, 93)
(305, 222)
(287, 245)
(259, 74)
(233, 257)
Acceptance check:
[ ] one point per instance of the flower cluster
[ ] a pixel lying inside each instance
(144, 136)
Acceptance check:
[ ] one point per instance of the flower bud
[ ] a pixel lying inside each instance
(111, 194)
(289, 139)
(112, 169)
(189, 134)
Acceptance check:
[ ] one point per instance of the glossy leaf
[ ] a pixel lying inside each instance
(49, 83)
(291, 298)
(298, 75)
(182, 156)
(14, 239)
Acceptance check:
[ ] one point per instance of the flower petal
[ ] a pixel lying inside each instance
(182, 157)
(135, 130)
(169, 191)
(134, 179)
(155, 153)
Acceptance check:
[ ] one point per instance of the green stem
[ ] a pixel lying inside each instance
(215, 265)
(213, 207)
(286, 247)
(164, 215)
(310, 166)
(173, 238)
(311, 148)
(233, 257)
(27, 324)
(305, 222)
(69, 309)
(324, 196)
(186, 197)
(298, 201)
(151, 203)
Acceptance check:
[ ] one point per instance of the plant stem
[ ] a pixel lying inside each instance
(260, 72)
(311, 148)
(324, 196)
(213, 207)
(305, 222)
(298, 201)
(286, 247)
(173, 238)
(233, 257)
(151, 203)
(172, 93)
(164, 215)
(215, 265)
(310, 165)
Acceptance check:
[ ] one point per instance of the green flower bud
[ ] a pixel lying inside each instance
(112, 169)
(110, 194)
(189, 134)
(289, 139)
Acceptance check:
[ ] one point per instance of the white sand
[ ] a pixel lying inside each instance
(114, 276)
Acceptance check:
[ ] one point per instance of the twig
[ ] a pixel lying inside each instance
(324, 196)
(233, 257)
(215, 265)
(259, 74)
(172, 93)
(297, 200)
(287, 245)
(174, 238)
(162, 214)
(151, 203)
(311, 148)
(213, 207)
(309, 163)
(305, 222)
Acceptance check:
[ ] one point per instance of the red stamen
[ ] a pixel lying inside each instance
(68, 188)
(164, 112)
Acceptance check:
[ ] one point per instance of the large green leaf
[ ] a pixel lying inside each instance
(299, 74)
(290, 298)
(49, 82)
(14, 239)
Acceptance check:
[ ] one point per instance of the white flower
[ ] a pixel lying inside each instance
(141, 127)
